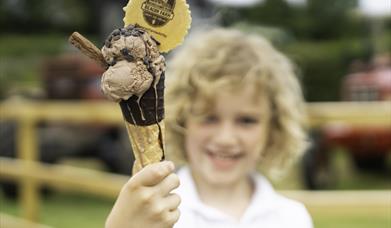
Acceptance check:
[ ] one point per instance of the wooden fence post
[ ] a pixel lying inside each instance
(28, 150)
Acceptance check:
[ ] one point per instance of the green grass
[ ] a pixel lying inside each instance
(351, 217)
(66, 210)
(83, 211)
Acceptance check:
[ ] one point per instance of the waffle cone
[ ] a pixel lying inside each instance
(147, 144)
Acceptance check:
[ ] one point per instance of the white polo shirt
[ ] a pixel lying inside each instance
(267, 208)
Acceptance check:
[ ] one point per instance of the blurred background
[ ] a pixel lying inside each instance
(342, 49)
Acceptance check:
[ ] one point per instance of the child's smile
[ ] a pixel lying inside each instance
(223, 160)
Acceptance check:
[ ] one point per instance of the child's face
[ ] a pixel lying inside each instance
(224, 146)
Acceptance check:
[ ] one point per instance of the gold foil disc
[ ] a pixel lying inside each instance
(166, 20)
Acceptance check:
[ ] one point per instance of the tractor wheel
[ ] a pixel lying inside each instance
(316, 168)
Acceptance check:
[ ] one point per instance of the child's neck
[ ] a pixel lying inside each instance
(232, 199)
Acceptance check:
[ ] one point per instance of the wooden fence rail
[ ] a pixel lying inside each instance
(63, 177)
(356, 113)
(104, 184)
(31, 173)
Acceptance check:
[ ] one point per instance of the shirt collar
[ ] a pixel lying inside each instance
(190, 198)
(260, 203)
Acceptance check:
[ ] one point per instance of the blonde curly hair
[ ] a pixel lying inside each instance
(229, 59)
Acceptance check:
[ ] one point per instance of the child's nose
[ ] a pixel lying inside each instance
(225, 135)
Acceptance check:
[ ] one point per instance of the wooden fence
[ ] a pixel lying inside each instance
(30, 173)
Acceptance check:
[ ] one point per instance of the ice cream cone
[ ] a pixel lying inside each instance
(147, 144)
(134, 78)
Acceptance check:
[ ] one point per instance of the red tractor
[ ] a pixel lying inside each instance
(369, 146)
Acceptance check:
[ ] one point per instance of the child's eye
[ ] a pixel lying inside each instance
(247, 120)
(209, 119)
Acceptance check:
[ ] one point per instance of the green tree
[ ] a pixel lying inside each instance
(329, 19)
(270, 12)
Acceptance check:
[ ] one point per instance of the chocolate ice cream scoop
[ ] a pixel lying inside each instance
(135, 76)
(126, 79)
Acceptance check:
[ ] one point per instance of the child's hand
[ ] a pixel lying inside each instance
(146, 201)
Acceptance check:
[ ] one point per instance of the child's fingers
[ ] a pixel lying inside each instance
(171, 217)
(153, 174)
(168, 184)
(172, 201)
